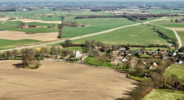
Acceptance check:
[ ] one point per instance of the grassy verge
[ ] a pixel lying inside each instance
(177, 69)
(181, 35)
(164, 94)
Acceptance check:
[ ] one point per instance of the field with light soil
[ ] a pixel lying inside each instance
(56, 80)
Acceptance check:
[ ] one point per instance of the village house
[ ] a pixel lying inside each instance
(179, 61)
(156, 55)
(154, 66)
(162, 51)
(47, 58)
(165, 57)
(181, 21)
(121, 48)
(78, 54)
(116, 52)
(124, 59)
(174, 54)
(118, 59)
(32, 26)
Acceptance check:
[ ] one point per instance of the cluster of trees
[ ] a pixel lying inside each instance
(142, 89)
(71, 24)
(30, 58)
(96, 16)
(2, 16)
(181, 49)
(173, 40)
(131, 17)
(94, 44)
(135, 18)
(150, 45)
(68, 43)
(157, 78)
(39, 54)
(53, 25)
(161, 33)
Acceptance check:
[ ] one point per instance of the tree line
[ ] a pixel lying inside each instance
(173, 40)
(135, 16)
(61, 27)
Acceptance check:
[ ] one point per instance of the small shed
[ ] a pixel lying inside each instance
(32, 26)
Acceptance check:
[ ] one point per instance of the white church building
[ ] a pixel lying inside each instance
(78, 54)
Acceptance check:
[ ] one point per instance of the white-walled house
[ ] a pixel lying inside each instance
(78, 54)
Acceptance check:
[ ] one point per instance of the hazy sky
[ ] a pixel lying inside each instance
(82, 0)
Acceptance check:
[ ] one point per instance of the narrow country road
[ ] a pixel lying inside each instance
(84, 35)
(177, 36)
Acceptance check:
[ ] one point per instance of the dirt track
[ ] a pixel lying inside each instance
(61, 81)
(176, 28)
(16, 35)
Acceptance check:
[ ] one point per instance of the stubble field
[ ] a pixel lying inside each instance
(59, 80)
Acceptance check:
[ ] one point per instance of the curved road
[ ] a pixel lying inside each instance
(83, 36)
(177, 36)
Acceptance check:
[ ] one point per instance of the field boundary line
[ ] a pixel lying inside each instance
(176, 34)
(79, 37)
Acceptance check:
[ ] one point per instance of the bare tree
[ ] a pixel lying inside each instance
(66, 52)
(59, 51)
(43, 52)
(15, 53)
(53, 51)
(133, 64)
(7, 54)
(21, 24)
(95, 53)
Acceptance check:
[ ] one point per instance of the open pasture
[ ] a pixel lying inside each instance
(137, 35)
(6, 44)
(164, 94)
(161, 11)
(94, 25)
(177, 69)
(181, 35)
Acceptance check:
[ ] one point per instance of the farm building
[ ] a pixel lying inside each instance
(32, 26)
(23, 27)
(181, 21)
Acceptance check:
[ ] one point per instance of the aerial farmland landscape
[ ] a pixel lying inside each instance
(92, 50)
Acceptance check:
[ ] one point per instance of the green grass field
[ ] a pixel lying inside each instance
(7, 44)
(93, 26)
(167, 22)
(74, 48)
(97, 62)
(149, 49)
(16, 23)
(149, 19)
(168, 32)
(159, 11)
(139, 35)
(164, 94)
(181, 35)
(177, 69)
